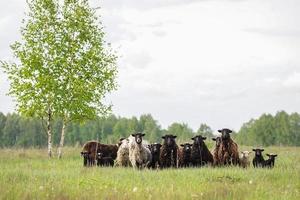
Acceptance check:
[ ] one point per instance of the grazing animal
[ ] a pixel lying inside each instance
(228, 151)
(244, 159)
(271, 161)
(155, 151)
(215, 151)
(123, 154)
(200, 155)
(89, 151)
(184, 155)
(168, 152)
(258, 160)
(104, 161)
(139, 154)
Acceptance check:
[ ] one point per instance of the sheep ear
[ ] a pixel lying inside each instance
(253, 149)
(275, 155)
(268, 154)
(220, 131)
(203, 138)
(143, 134)
(174, 136)
(214, 139)
(182, 145)
(262, 149)
(192, 138)
(163, 137)
(133, 135)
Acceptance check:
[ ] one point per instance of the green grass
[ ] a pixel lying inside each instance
(29, 174)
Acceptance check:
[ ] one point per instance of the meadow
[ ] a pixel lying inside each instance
(29, 174)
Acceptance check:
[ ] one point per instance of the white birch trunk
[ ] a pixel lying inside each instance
(62, 139)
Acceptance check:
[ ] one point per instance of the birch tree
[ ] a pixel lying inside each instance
(64, 66)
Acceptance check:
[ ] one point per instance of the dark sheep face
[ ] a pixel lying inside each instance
(199, 140)
(186, 147)
(258, 152)
(272, 156)
(155, 148)
(138, 137)
(169, 140)
(99, 155)
(84, 154)
(217, 140)
(225, 133)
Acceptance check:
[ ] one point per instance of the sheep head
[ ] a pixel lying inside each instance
(217, 140)
(198, 140)
(225, 133)
(169, 140)
(258, 152)
(138, 137)
(187, 147)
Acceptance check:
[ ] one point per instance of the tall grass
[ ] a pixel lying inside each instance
(29, 174)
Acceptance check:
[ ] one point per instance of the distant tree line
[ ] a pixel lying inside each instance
(280, 129)
(19, 131)
(15, 130)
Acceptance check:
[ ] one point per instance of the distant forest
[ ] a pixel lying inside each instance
(18, 131)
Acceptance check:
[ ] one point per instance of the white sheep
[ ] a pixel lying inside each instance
(123, 153)
(244, 159)
(139, 153)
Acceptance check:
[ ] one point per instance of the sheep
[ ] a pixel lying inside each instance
(139, 155)
(168, 152)
(271, 161)
(104, 161)
(89, 151)
(123, 154)
(184, 155)
(200, 155)
(215, 151)
(228, 150)
(244, 159)
(155, 151)
(258, 160)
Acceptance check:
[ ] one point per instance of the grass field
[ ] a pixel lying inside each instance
(29, 174)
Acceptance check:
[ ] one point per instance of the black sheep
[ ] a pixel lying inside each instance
(104, 161)
(155, 151)
(184, 155)
(271, 161)
(258, 160)
(200, 154)
(168, 152)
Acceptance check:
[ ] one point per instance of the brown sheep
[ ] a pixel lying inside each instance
(168, 152)
(89, 151)
(216, 149)
(184, 155)
(91, 148)
(228, 151)
(200, 154)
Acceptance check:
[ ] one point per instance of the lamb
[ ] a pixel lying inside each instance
(258, 160)
(89, 151)
(244, 159)
(139, 154)
(123, 154)
(228, 150)
(215, 151)
(184, 155)
(200, 154)
(271, 161)
(155, 151)
(104, 161)
(168, 152)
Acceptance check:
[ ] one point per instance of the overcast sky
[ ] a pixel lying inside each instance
(220, 62)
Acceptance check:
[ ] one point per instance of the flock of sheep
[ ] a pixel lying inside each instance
(138, 153)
